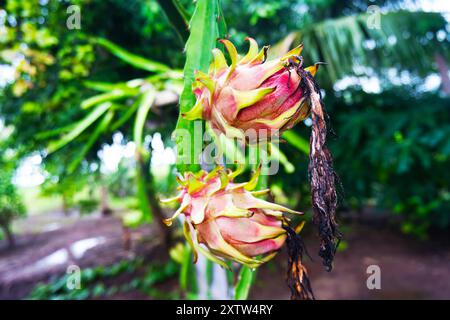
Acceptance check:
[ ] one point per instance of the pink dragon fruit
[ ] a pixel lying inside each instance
(224, 219)
(251, 93)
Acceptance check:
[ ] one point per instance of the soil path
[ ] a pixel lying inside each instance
(82, 241)
(410, 269)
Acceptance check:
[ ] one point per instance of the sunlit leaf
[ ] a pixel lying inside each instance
(116, 94)
(297, 141)
(144, 203)
(142, 167)
(94, 136)
(126, 116)
(105, 86)
(131, 58)
(352, 45)
(185, 267)
(79, 127)
(278, 155)
(133, 218)
(145, 104)
(178, 17)
(54, 132)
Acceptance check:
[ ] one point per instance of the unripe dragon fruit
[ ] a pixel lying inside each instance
(251, 93)
(224, 219)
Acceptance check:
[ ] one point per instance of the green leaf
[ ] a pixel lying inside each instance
(188, 274)
(259, 154)
(221, 21)
(143, 161)
(133, 218)
(297, 141)
(131, 58)
(104, 86)
(79, 127)
(145, 104)
(127, 115)
(229, 147)
(202, 39)
(278, 155)
(185, 266)
(54, 132)
(245, 281)
(131, 86)
(177, 16)
(116, 94)
(343, 43)
(144, 203)
(231, 150)
(209, 277)
(101, 127)
(182, 10)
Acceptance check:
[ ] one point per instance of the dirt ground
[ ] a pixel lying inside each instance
(84, 241)
(410, 269)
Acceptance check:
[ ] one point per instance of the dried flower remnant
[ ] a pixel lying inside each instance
(322, 177)
(297, 276)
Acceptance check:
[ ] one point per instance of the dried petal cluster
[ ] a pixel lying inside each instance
(224, 219)
(251, 93)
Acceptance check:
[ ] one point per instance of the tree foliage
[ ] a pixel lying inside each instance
(11, 206)
(385, 140)
(393, 152)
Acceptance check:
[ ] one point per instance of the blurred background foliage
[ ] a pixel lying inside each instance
(386, 89)
(11, 206)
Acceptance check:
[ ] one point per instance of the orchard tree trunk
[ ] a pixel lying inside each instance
(9, 236)
(126, 238)
(443, 71)
(144, 164)
(65, 205)
(104, 203)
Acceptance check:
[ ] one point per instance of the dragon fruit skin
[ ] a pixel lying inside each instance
(224, 219)
(251, 93)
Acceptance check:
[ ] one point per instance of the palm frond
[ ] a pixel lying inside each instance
(352, 46)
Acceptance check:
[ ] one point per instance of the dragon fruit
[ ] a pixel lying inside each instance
(251, 93)
(223, 219)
